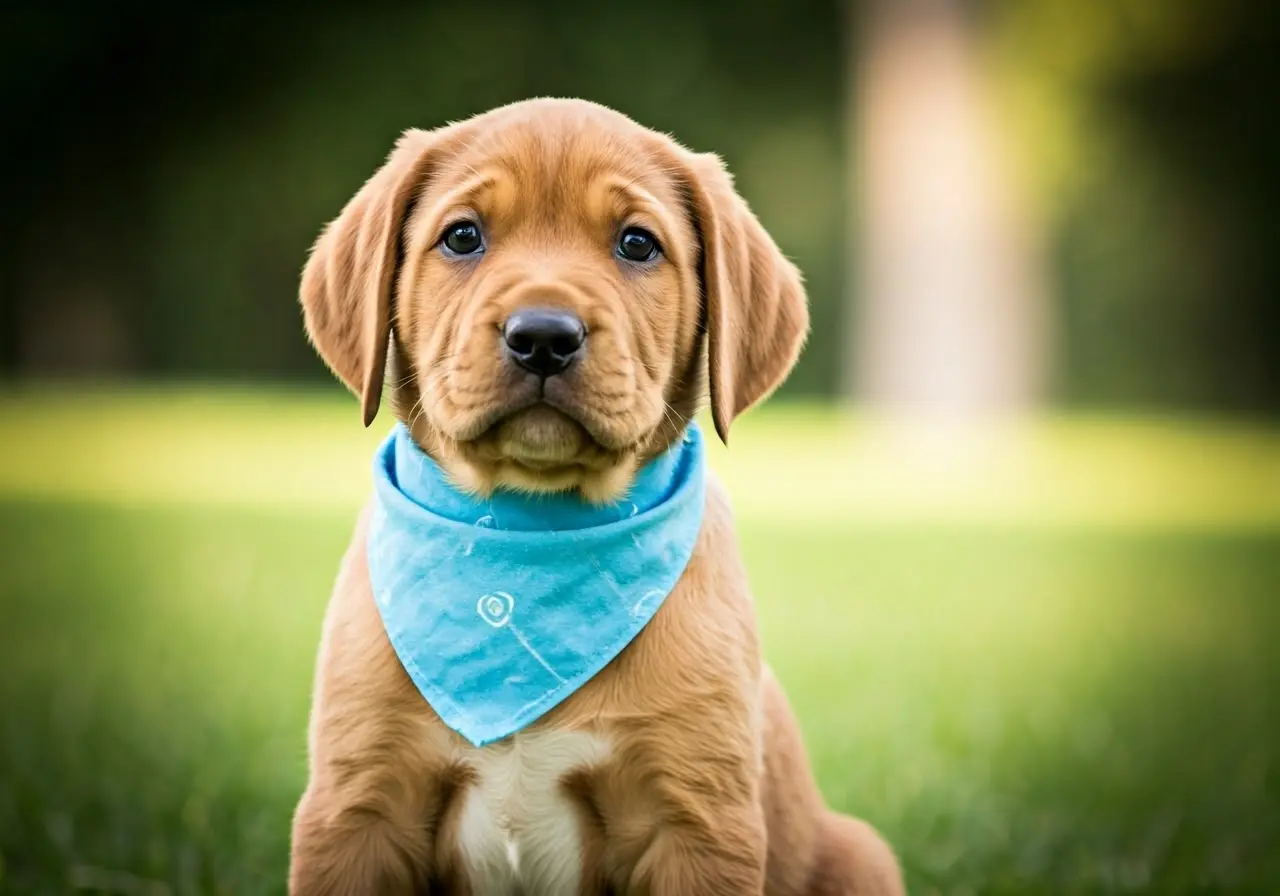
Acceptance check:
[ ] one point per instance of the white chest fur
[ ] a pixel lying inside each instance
(516, 827)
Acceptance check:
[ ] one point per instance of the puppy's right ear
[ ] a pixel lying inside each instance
(348, 280)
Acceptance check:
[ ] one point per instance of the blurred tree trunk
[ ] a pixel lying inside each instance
(950, 314)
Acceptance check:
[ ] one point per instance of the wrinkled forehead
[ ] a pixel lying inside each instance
(561, 174)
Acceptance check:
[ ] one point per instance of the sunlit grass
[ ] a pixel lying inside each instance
(1029, 682)
(252, 447)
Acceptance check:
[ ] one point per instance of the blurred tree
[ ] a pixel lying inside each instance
(952, 316)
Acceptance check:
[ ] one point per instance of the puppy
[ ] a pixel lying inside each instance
(677, 768)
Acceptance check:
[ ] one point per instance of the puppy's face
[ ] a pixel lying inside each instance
(556, 275)
(549, 303)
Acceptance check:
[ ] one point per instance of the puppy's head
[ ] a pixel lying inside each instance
(544, 285)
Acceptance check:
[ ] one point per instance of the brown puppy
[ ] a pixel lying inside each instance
(679, 768)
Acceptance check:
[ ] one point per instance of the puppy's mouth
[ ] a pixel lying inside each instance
(540, 437)
(542, 423)
(540, 440)
(540, 448)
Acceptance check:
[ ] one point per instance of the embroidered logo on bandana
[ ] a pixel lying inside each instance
(501, 608)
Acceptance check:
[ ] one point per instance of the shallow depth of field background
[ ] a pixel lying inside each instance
(1013, 526)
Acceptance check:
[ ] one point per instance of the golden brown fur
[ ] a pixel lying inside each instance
(704, 787)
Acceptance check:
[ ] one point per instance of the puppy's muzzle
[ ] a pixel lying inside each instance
(544, 341)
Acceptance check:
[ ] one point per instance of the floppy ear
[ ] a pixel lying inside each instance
(348, 280)
(757, 317)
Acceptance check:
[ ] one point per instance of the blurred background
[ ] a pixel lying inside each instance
(1013, 523)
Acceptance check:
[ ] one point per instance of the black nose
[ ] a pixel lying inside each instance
(543, 340)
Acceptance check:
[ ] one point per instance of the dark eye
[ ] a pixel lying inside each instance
(463, 238)
(637, 244)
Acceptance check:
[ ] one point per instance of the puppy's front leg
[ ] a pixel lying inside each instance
(340, 851)
(720, 853)
(381, 786)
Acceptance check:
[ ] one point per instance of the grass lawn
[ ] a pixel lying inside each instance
(1044, 661)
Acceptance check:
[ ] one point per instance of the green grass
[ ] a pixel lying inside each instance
(1043, 663)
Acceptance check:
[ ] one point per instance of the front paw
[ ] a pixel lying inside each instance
(730, 862)
(351, 855)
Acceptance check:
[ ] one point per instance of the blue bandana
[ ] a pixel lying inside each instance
(500, 608)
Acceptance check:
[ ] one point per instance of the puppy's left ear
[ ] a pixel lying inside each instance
(757, 316)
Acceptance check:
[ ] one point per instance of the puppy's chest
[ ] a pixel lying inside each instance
(518, 830)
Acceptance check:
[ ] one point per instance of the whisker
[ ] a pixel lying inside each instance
(414, 411)
(671, 417)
